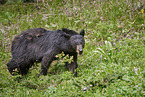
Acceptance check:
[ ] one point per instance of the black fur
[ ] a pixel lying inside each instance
(42, 45)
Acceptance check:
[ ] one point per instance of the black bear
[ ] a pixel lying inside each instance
(41, 45)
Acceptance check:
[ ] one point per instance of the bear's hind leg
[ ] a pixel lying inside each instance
(24, 67)
(23, 70)
(12, 65)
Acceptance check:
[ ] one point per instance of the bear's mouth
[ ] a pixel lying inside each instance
(79, 49)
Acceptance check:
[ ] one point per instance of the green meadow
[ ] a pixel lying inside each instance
(113, 61)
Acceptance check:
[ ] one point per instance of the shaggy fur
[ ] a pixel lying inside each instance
(42, 45)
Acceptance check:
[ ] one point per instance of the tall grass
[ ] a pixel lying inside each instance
(113, 63)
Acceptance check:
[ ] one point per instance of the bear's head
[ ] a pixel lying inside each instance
(76, 40)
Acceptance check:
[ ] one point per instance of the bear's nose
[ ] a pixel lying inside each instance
(79, 49)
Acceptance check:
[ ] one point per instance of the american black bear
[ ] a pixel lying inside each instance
(41, 45)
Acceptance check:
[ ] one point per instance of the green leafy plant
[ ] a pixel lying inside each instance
(64, 59)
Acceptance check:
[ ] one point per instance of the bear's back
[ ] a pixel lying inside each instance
(27, 36)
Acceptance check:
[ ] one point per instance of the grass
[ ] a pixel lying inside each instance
(113, 63)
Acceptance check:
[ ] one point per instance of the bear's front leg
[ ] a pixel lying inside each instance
(46, 61)
(73, 65)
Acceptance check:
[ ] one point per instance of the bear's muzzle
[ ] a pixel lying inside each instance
(79, 49)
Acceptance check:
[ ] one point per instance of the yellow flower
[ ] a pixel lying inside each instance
(142, 10)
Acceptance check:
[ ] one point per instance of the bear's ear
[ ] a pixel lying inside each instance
(66, 30)
(82, 32)
(66, 35)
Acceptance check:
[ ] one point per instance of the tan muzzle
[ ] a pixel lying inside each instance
(79, 49)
